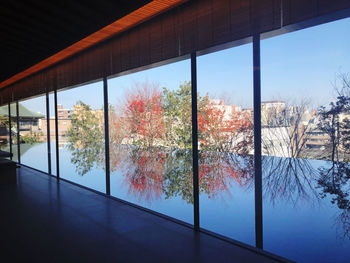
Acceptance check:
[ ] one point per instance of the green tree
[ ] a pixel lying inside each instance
(86, 138)
(177, 110)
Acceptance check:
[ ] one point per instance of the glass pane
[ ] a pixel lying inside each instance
(52, 123)
(81, 135)
(33, 139)
(14, 132)
(4, 129)
(305, 143)
(225, 139)
(151, 139)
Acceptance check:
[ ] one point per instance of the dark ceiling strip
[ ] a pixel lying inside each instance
(134, 18)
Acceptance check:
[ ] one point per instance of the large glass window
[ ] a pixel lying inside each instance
(226, 145)
(33, 135)
(4, 129)
(14, 131)
(151, 139)
(81, 135)
(52, 123)
(305, 143)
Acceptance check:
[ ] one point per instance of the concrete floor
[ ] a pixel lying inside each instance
(45, 221)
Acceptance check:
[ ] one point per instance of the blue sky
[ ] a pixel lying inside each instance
(295, 66)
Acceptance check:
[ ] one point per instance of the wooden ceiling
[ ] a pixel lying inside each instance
(34, 30)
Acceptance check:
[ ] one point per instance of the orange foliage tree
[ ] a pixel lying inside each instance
(143, 115)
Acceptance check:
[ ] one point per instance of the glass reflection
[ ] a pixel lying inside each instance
(4, 129)
(33, 133)
(80, 118)
(226, 142)
(151, 139)
(14, 131)
(305, 143)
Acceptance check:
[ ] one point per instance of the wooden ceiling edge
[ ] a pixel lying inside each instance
(133, 19)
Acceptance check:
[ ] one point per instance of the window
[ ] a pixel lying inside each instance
(305, 93)
(33, 135)
(81, 136)
(151, 139)
(226, 143)
(4, 129)
(14, 132)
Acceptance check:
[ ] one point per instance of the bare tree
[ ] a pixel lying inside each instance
(286, 130)
(335, 122)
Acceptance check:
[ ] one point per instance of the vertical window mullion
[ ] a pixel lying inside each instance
(257, 143)
(105, 93)
(195, 141)
(10, 130)
(18, 135)
(57, 143)
(48, 133)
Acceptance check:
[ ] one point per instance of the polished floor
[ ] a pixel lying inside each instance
(45, 221)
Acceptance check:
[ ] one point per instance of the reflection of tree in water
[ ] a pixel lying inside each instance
(335, 182)
(178, 175)
(217, 172)
(150, 173)
(86, 138)
(155, 164)
(289, 179)
(144, 173)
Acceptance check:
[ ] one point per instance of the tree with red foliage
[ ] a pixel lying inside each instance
(223, 131)
(145, 173)
(143, 114)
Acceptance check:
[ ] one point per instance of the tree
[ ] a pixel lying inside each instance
(225, 131)
(335, 183)
(332, 123)
(177, 106)
(286, 131)
(143, 114)
(86, 137)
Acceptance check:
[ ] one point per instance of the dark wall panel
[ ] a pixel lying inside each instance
(295, 11)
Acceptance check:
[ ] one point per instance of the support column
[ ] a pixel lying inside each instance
(257, 143)
(57, 143)
(48, 133)
(105, 96)
(195, 141)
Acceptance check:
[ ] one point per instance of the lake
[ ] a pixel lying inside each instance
(306, 208)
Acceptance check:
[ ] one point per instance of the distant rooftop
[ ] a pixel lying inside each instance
(23, 111)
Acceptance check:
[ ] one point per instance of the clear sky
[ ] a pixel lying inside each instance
(295, 66)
